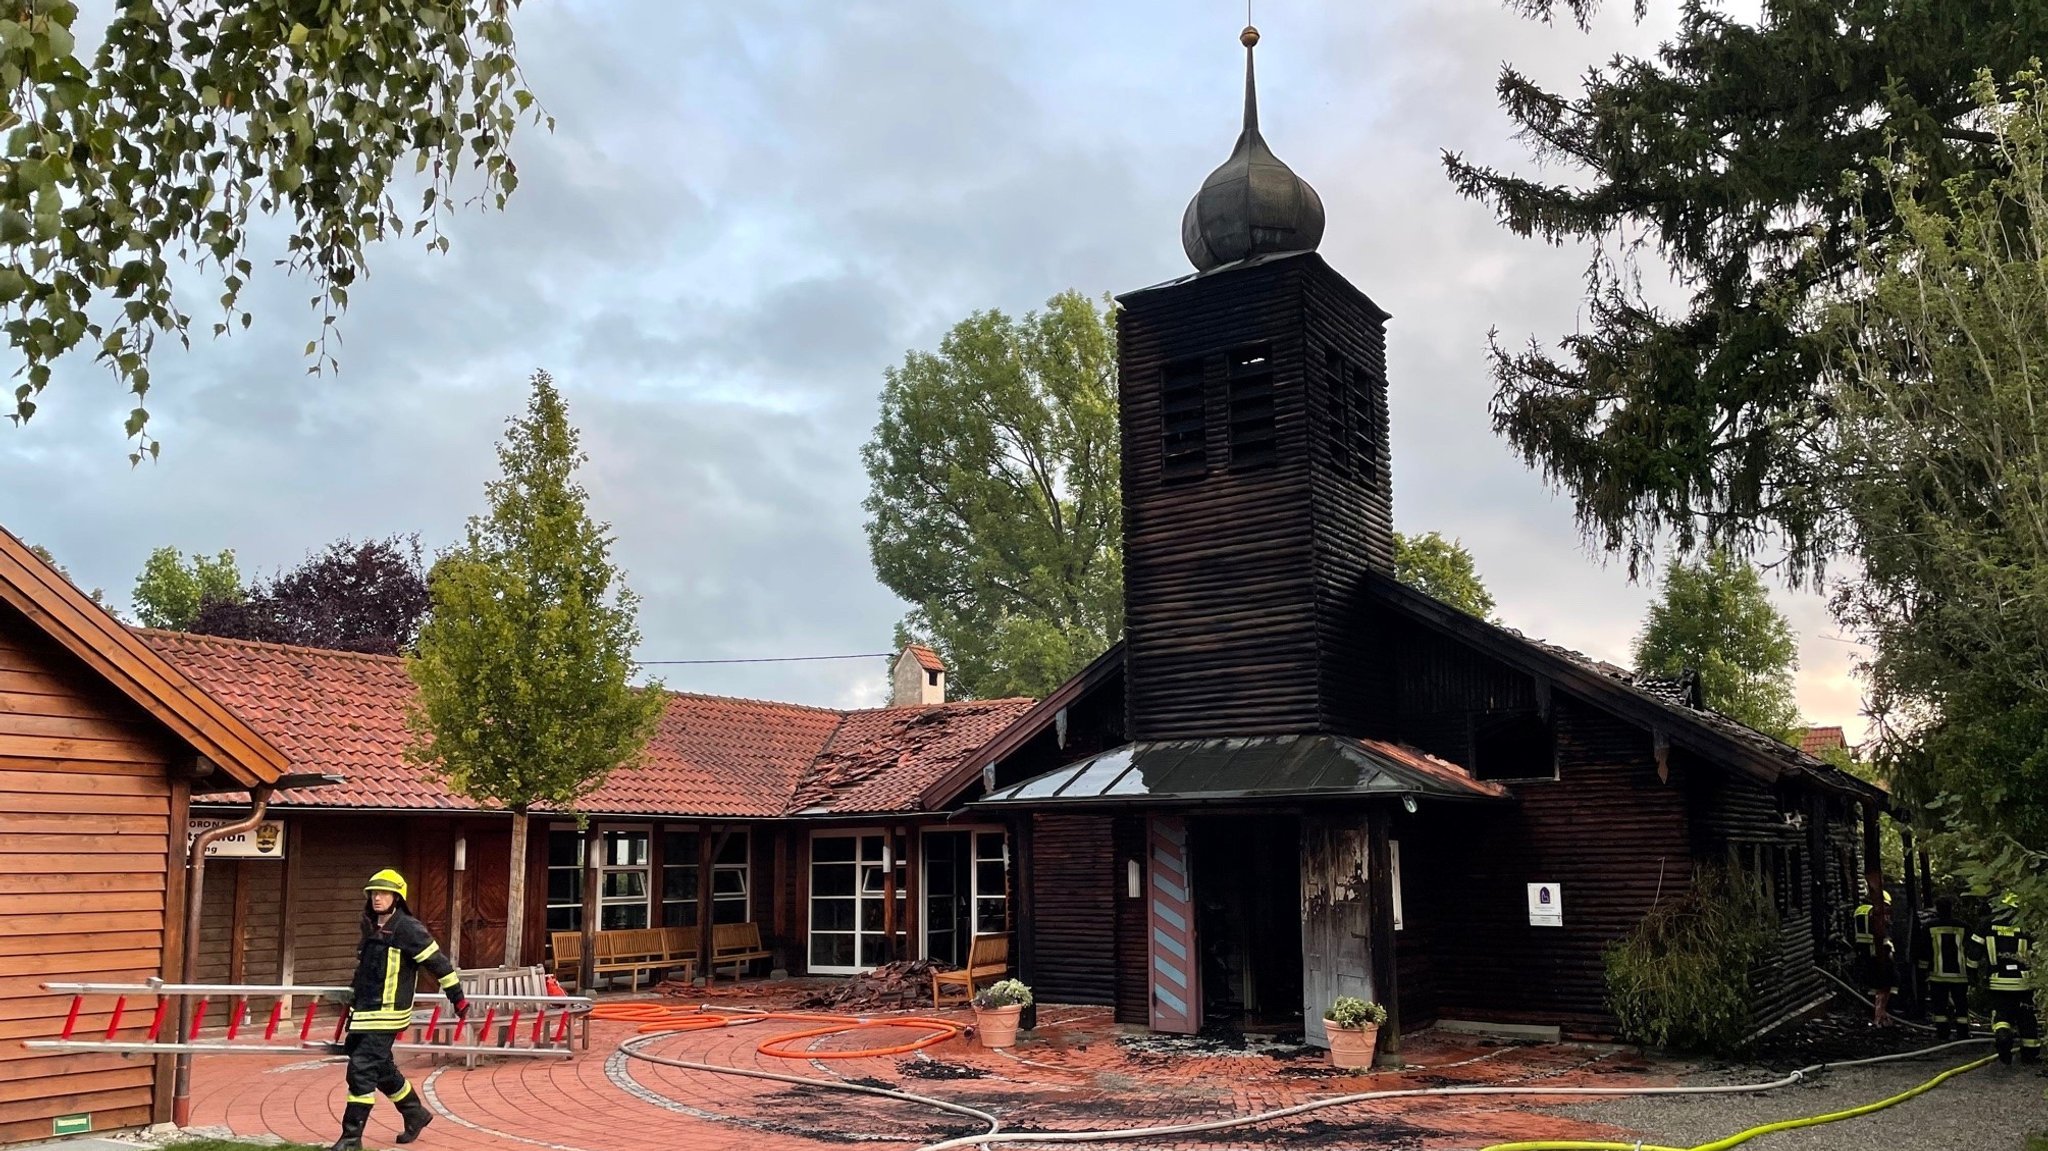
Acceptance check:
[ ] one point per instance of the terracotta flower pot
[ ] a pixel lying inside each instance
(1352, 1047)
(997, 1026)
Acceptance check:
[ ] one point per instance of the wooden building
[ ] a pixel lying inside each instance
(102, 744)
(1297, 778)
(805, 821)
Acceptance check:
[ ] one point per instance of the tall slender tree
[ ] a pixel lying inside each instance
(524, 667)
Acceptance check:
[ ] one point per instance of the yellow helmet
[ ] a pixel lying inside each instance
(387, 880)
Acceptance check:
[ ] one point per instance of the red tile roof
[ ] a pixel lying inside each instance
(1819, 739)
(926, 657)
(343, 713)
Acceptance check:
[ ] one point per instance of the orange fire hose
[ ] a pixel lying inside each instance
(660, 1018)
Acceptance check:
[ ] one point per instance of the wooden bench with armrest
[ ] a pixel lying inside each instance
(738, 944)
(988, 959)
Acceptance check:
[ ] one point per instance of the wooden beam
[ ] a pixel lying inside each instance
(458, 874)
(238, 928)
(913, 842)
(707, 855)
(586, 967)
(173, 969)
(287, 923)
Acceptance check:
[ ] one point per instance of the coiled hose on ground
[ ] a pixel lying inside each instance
(671, 1020)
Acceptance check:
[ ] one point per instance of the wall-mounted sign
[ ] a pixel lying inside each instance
(264, 841)
(1546, 905)
(71, 1125)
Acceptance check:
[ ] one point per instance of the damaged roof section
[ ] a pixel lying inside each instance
(1251, 768)
(880, 761)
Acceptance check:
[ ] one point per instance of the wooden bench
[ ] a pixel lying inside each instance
(738, 944)
(988, 959)
(631, 951)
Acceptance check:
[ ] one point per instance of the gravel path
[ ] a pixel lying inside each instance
(1993, 1108)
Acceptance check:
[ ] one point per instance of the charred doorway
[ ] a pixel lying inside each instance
(1247, 892)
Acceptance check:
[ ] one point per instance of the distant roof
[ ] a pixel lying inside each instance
(1255, 767)
(926, 657)
(1820, 739)
(71, 620)
(710, 756)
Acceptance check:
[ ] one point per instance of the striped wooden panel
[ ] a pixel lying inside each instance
(1176, 963)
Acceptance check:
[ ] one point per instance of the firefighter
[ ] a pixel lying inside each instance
(394, 948)
(1874, 961)
(2004, 953)
(1944, 950)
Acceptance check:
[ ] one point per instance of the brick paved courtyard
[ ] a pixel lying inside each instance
(1078, 1072)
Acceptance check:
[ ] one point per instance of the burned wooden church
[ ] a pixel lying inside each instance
(1297, 778)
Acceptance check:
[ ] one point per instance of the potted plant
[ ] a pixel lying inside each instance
(1353, 1025)
(996, 1008)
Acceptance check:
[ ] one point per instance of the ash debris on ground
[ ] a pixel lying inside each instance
(904, 983)
(939, 1070)
(1218, 1041)
(1839, 1034)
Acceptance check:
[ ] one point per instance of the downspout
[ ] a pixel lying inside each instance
(195, 891)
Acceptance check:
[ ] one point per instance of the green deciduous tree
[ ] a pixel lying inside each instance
(131, 179)
(1942, 454)
(1723, 156)
(993, 496)
(1716, 617)
(173, 588)
(524, 666)
(1442, 568)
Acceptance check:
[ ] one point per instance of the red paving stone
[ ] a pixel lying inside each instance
(1077, 1073)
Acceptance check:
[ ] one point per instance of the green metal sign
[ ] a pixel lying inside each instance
(71, 1125)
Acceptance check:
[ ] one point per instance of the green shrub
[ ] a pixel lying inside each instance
(1353, 1014)
(1680, 981)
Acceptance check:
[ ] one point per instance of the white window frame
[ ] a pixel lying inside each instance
(555, 829)
(860, 869)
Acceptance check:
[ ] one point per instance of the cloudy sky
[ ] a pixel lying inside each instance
(748, 210)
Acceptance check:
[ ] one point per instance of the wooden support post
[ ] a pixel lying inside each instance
(889, 954)
(913, 943)
(1873, 873)
(238, 927)
(707, 858)
(458, 874)
(1385, 971)
(1911, 960)
(657, 859)
(287, 920)
(586, 967)
(782, 909)
(1926, 877)
(173, 970)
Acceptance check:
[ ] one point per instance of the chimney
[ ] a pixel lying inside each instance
(920, 678)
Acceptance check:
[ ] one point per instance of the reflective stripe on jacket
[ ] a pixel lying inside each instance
(387, 970)
(2005, 952)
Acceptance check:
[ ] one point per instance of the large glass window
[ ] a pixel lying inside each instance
(849, 885)
(623, 884)
(731, 879)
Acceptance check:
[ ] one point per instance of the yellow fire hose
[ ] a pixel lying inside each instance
(1745, 1136)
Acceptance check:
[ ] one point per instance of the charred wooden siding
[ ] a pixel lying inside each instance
(1073, 912)
(1441, 684)
(1133, 1003)
(1415, 942)
(1238, 571)
(1742, 823)
(90, 822)
(1614, 837)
